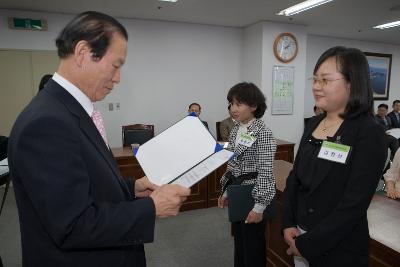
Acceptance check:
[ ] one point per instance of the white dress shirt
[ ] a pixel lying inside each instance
(85, 102)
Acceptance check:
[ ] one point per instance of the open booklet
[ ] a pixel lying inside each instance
(183, 154)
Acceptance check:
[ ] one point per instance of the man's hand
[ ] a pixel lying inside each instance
(289, 235)
(168, 199)
(143, 187)
(222, 202)
(292, 250)
(254, 217)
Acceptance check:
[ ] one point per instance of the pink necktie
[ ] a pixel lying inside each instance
(98, 121)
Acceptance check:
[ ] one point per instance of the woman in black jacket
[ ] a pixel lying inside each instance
(337, 167)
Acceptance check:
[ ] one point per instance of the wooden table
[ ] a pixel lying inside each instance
(205, 193)
(383, 219)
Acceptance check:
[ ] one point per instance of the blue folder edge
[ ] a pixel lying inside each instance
(193, 114)
(218, 147)
(135, 150)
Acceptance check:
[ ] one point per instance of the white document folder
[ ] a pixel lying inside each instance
(183, 154)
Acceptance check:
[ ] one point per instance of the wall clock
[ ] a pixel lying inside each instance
(285, 47)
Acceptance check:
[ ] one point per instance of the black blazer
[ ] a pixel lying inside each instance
(382, 122)
(393, 118)
(74, 207)
(339, 196)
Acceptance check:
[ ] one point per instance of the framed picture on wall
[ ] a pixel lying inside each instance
(380, 68)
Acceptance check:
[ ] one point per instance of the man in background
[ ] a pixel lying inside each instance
(75, 209)
(196, 108)
(386, 124)
(226, 126)
(394, 115)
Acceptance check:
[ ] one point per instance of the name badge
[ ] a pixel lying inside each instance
(246, 139)
(334, 152)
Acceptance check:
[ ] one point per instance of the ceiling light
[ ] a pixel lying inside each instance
(388, 25)
(303, 6)
(168, 1)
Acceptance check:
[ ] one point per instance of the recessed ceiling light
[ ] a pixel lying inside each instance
(168, 1)
(388, 25)
(303, 6)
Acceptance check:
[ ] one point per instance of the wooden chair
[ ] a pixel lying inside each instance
(136, 134)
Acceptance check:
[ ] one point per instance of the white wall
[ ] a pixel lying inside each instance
(252, 54)
(169, 66)
(258, 61)
(316, 45)
(31, 40)
(286, 127)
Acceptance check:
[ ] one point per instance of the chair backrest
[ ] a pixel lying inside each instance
(136, 134)
(3, 147)
(218, 130)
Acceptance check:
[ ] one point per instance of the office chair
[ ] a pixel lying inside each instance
(136, 134)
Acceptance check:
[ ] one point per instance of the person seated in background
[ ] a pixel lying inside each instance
(392, 178)
(394, 115)
(386, 124)
(226, 126)
(196, 108)
(318, 111)
(382, 118)
(44, 80)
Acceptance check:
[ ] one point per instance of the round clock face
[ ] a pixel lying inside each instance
(285, 47)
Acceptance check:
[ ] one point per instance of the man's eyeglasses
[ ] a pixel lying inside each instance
(323, 82)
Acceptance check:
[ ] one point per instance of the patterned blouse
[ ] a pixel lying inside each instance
(259, 157)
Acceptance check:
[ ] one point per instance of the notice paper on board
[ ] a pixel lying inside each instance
(183, 154)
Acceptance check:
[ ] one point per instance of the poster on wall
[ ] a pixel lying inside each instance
(379, 68)
(282, 90)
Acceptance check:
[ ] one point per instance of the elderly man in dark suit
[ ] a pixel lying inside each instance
(386, 124)
(74, 207)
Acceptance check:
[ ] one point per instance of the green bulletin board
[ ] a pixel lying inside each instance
(282, 90)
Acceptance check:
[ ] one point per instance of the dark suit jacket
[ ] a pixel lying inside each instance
(383, 124)
(339, 196)
(74, 207)
(393, 118)
(205, 124)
